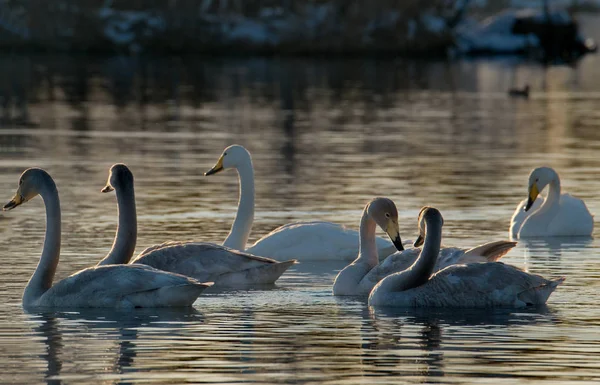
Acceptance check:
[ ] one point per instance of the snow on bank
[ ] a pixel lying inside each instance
(495, 34)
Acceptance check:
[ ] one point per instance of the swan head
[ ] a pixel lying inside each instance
(384, 212)
(119, 177)
(427, 215)
(31, 182)
(538, 179)
(232, 157)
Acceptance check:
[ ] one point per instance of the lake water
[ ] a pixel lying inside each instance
(326, 136)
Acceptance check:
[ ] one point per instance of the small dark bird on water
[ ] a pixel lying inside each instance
(519, 92)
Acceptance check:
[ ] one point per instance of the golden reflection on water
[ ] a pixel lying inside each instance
(325, 137)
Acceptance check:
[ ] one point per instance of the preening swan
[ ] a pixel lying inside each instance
(202, 261)
(362, 275)
(558, 215)
(316, 240)
(115, 286)
(480, 285)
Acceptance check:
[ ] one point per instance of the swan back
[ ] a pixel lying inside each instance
(476, 285)
(402, 260)
(119, 286)
(211, 262)
(315, 241)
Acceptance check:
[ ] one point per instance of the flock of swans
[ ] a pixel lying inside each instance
(175, 273)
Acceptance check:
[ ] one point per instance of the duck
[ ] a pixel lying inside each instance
(360, 276)
(519, 92)
(304, 241)
(202, 261)
(106, 286)
(557, 215)
(472, 285)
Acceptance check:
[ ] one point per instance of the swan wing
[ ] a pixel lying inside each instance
(209, 262)
(572, 219)
(488, 252)
(402, 260)
(317, 240)
(491, 284)
(569, 217)
(123, 286)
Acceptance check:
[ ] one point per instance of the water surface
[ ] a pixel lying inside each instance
(326, 136)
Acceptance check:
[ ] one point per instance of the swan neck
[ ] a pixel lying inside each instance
(420, 271)
(126, 236)
(43, 276)
(425, 264)
(553, 197)
(367, 247)
(554, 191)
(242, 225)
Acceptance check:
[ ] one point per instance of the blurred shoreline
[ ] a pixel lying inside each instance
(231, 27)
(426, 29)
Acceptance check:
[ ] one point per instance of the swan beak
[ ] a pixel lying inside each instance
(394, 233)
(107, 188)
(16, 201)
(533, 193)
(419, 241)
(216, 168)
(398, 243)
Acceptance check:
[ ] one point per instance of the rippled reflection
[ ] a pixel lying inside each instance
(325, 136)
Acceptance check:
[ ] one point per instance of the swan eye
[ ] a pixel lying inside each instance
(387, 215)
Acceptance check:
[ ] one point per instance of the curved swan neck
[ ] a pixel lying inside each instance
(420, 271)
(348, 280)
(41, 280)
(367, 247)
(242, 225)
(425, 264)
(126, 236)
(553, 195)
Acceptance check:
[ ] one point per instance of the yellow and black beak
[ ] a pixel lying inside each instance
(216, 168)
(533, 193)
(16, 201)
(394, 233)
(107, 188)
(419, 242)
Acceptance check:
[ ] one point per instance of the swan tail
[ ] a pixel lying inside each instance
(488, 252)
(260, 275)
(539, 295)
(168, 296)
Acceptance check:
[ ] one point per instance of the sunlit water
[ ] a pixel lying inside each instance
(325, 137)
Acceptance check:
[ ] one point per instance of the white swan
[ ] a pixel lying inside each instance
(116, 286)
(557, 215)
(478, 285)
(362, 275)
(315, 240)
(202, 261)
